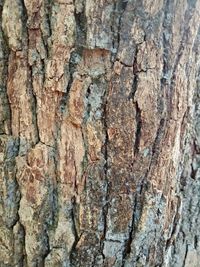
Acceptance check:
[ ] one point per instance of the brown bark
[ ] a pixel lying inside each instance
(99, 133)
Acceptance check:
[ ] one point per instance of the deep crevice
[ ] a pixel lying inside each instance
(185, 257)
(81, 27)
(136, 215)
(156, 144)
(138, 128)
(5, 59)
(107, 185)
(75, 231)
(48, 13)
(34, 106)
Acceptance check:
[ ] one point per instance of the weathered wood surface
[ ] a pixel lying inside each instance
(99, 133)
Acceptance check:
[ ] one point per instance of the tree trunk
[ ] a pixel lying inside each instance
(99, 133)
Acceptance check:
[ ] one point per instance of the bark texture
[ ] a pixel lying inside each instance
(99, 133)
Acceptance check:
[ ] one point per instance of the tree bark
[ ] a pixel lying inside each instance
(99, 133)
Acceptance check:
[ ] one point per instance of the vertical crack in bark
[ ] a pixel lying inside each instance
(138, 129)
(34, 106)
(137, 108)
(48, 12)
(128, 243)
(65, 95)
(156, 144)
(106, 199)
(48, 250)
(16, 147)
(137, 212)
(81, 27)
(185, 257)
(75, 231)
(135, 73)
(24, 257)
(195, 242)
(134, 86)
(5, 52)
(119, 8)
(24, 19)
(175, 224)
(84, 136)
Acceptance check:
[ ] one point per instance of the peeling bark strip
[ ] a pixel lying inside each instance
(99, 133)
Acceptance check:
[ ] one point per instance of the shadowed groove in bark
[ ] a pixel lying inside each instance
(176, 222)
(135, 73)
(118, 11)
(81, 28)
(167, 28)
(77, 237)
(136, 216)
(48, 250)
(65, 95)
(3, 91)
(138, 129)
(106, 166)
(34, 105)
(156, 144)
(24, 20)
(48, 13)
(120, 7)
(16, 190)
(185, 257)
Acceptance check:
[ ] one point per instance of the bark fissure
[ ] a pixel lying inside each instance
(157, 141)
(119, 8)
(81, 27)
(77, 236)
(5, 58)
(107, 185)
(138, 128)
(176, 222)
(35, 107)
(185, 257)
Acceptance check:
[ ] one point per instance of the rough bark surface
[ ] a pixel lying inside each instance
(99, 133)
